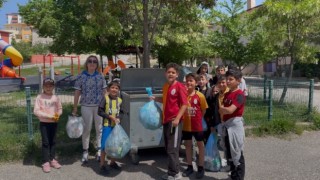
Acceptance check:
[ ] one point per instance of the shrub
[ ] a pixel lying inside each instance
(276, 127)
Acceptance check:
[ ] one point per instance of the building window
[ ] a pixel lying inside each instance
(27, 36)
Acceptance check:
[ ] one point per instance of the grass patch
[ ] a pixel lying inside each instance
(33, 71)
(275, 127)
(256, 112)
(16, 145)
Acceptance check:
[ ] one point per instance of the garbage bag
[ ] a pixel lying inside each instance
(204, 125)
(150, 115)
(212, 160)
(74, 126)
(118, 143)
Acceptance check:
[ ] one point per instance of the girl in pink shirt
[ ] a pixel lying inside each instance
(48, 109)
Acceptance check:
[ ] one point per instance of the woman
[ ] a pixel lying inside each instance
(91, 86)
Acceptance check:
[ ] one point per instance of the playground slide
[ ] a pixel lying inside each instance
(111, 66)
(15, 59)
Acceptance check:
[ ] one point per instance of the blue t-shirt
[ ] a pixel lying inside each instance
(91, 87)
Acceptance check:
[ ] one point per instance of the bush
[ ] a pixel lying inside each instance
(276, 127)
(316, 120)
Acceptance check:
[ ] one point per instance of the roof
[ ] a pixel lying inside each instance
(4, 31)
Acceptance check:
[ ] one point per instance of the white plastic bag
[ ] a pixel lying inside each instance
(150, 115)
(74, 126)
(118, 143)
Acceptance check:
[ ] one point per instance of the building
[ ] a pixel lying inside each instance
(20, 31)
(6, 36)
(14, 18)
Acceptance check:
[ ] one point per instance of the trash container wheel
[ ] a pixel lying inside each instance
(135, 158)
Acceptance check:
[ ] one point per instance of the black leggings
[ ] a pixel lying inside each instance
(48, 134)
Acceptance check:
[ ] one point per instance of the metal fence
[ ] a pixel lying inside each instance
(18, 124)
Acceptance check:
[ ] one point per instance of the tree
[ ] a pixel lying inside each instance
(182, 38)
(289, 25)
(1, 2)
(236, 38)
(104, 26)
(157, 16)
(24, 48)
(77, 26)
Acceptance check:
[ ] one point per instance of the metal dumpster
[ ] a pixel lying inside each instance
(133, 83)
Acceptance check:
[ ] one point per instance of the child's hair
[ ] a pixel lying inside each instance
(48, 81)
(194, 76)
(203, 75)
(221, 77)
(113, 83)
(220, 67)
(91, 57)
(174, 66)
(235, 73)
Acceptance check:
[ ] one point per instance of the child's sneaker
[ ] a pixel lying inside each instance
(187, 172)
(104, 170)
(98, 155)
(46, 167)
(85, 156)
(200, 174)
(54, 163)
(115, 166)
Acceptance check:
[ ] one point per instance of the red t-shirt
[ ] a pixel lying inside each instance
(236, 98)
(174, 96)
(192, 119)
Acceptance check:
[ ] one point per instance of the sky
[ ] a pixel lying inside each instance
(11, 7)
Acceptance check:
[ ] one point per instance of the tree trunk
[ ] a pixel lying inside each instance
(288, 80)
(146, 48)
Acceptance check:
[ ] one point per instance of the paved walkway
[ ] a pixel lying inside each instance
(266, 159)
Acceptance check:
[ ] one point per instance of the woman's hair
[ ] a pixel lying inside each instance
(91, 57)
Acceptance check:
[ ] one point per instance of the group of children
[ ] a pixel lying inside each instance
(220, 102)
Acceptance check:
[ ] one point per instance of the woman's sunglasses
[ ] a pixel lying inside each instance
(93, 61)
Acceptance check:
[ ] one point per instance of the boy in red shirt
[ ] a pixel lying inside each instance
(192, 124)
(175, 103)
(233, 131)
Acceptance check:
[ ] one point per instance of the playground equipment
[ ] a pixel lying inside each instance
(61, 81)
(111, 66)
(15, 59)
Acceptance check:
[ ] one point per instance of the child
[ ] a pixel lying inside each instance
(233, 130)
(109, 110)
(220, 70)
(174, 105)
(212, 115)
(204, 69)
(48, 109)
(203, 85)
(206, 91)
(192, 125)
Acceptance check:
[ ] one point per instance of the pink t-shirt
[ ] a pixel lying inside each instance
(46, 106)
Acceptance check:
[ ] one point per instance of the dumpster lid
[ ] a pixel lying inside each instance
(132, 79)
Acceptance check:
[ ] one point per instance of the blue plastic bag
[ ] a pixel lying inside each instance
(118, 143)
(204, 125)
(150, 115)
(212, 160)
